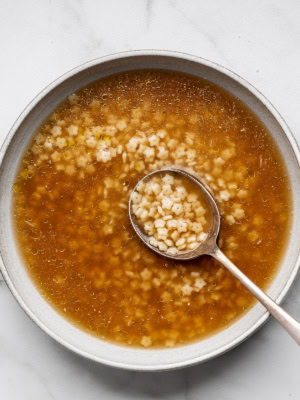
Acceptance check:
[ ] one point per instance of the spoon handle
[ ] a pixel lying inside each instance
(286, 321)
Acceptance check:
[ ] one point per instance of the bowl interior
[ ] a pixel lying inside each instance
(15, 274)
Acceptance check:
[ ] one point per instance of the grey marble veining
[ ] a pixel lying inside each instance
(41, 40)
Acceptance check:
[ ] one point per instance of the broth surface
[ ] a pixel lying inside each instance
(71, 207)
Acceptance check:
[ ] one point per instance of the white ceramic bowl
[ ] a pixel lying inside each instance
(15, 274)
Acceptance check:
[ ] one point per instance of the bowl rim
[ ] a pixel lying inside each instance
(188, 57)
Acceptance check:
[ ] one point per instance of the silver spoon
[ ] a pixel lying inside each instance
(210, 247)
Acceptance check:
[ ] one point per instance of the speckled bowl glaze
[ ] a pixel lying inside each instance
(11, 264)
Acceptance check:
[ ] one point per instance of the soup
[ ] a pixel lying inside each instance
(170, 210)
(71, 207)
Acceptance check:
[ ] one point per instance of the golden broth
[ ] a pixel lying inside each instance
(71, 215)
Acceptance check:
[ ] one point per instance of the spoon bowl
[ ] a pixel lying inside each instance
(205, 247)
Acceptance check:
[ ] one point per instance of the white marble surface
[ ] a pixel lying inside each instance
(40, 40)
